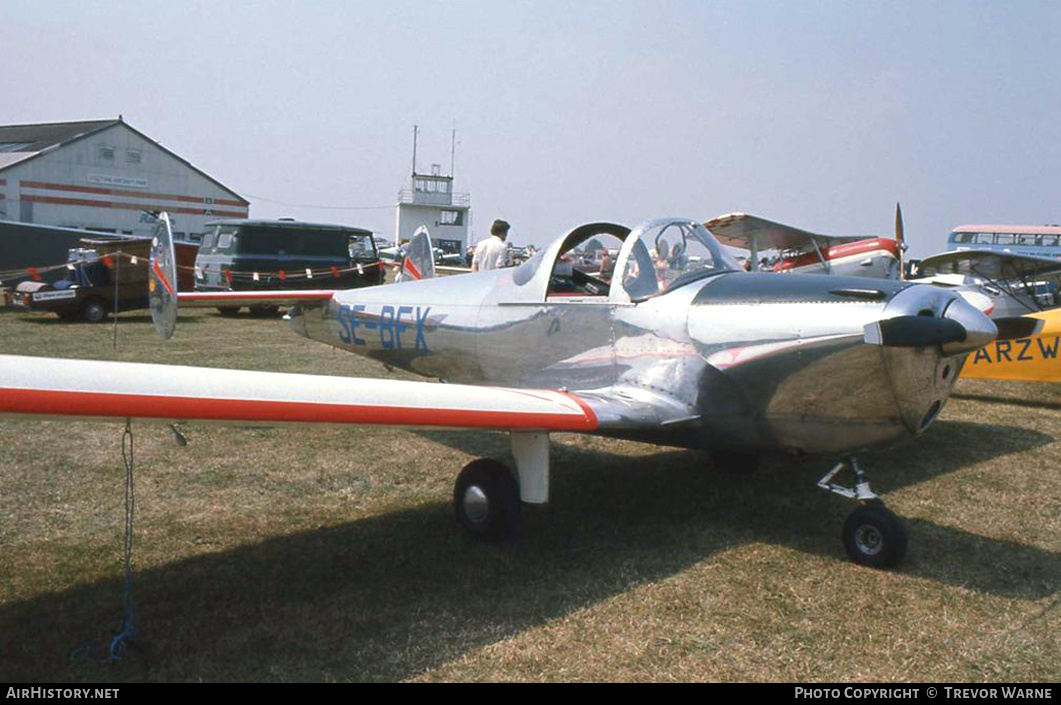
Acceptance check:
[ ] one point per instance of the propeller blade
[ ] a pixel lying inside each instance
(1016, 327)
(900, 238)
(914, 332)
(162, 286)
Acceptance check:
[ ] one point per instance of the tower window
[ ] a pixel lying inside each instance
(448, 217)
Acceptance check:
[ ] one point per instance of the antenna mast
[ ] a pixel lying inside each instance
(416, 128)
(453, 152)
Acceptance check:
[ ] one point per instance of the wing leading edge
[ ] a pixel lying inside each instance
(50, 387)
(743, 230)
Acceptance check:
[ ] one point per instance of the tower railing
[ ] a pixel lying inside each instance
(428, 198)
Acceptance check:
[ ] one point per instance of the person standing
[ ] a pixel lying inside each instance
(490, 253)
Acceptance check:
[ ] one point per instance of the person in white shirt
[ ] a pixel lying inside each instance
(490, 253)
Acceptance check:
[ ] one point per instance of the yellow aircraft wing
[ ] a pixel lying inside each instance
(1034, 359)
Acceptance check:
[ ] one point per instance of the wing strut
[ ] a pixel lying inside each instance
(825, 263)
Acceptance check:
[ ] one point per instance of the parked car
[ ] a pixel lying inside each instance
(96, 284)
(242, 255)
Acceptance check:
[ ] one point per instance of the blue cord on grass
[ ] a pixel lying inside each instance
(118, 645)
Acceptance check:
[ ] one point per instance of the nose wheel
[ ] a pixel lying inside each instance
(486, 500)
(873, 535)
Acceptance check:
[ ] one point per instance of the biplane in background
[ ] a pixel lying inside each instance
(1016, 284)
(803, 252)
(688, 351)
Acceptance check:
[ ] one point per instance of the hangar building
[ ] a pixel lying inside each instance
(102, 175)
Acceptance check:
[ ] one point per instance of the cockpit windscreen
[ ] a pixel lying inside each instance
(668, 254)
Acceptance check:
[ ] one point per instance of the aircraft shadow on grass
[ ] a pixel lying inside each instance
(1026, 403)
(390, 596)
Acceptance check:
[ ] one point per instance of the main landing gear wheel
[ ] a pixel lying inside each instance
(486, 500)
(874, 536)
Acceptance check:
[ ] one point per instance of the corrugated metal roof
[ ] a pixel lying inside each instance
(44, 135)
(10, 158)
(37, 137)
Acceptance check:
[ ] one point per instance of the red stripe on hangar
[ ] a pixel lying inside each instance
(130, 206)
(148, 406)
(102, 191)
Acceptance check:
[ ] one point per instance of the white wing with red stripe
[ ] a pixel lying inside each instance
(289, 297)
(50, 387)
(741, 230)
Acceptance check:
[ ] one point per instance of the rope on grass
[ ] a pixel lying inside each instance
(117, 646)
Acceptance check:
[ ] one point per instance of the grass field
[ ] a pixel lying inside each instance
(331, 554)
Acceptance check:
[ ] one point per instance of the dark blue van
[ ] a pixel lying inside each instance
(242, 255)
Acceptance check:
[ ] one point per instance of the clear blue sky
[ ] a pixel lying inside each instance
(820, 114)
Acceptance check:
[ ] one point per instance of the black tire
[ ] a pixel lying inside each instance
(874, 536)
(228, 311)
(486, 500)
(735, 462)
(94, 311)
(265, 311)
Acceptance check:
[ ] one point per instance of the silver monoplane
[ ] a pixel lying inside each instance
(679, 347)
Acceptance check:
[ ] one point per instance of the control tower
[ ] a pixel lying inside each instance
(429, 200)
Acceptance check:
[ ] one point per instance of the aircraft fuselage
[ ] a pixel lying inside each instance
(748, 361)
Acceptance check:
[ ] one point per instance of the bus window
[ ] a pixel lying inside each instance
(1027, 240)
